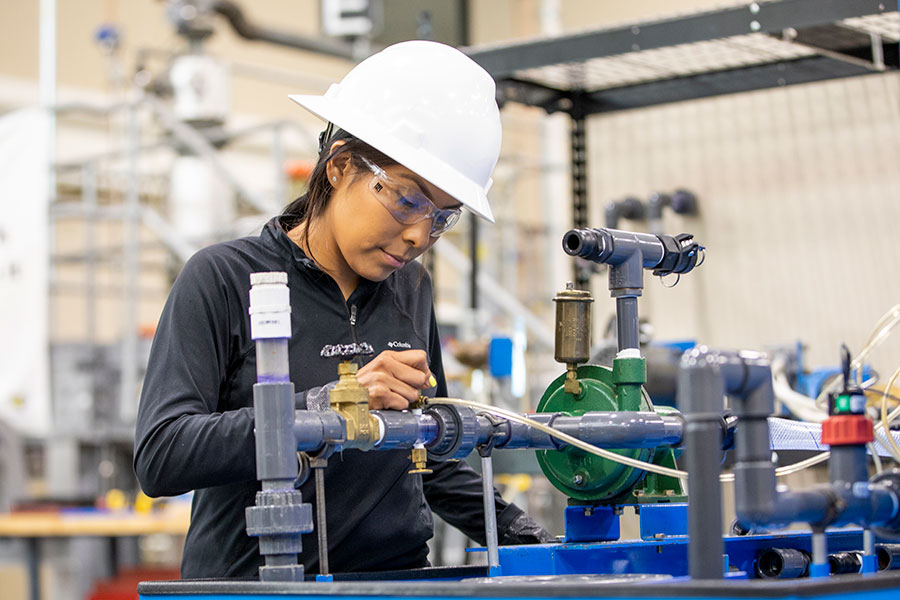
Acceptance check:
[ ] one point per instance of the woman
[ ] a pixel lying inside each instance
(413, 135)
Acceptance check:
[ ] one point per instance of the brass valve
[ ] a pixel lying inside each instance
(351, 401)
(419, 457)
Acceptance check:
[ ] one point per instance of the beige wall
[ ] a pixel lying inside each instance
(800, 206)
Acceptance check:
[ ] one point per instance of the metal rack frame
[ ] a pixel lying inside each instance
(748, 47)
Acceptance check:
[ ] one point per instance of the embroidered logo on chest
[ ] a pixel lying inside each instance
(396, 344)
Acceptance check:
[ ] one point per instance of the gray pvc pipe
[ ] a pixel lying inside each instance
(490, 512)
(627, 322)
(848, 463)
(312, 429)
(701, 391)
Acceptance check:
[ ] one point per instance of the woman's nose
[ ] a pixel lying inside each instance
(418, 235)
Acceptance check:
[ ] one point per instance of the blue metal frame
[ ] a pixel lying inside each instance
(667, 556)
(663, 520)
(591, 524)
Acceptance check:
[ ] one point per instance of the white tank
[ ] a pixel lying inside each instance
(201, 205)
(202, 89)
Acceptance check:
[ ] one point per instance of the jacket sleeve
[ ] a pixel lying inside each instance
(182, 441)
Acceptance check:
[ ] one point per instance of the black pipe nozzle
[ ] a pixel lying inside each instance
(782, 563)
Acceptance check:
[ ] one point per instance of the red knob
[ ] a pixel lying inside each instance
(847, 430)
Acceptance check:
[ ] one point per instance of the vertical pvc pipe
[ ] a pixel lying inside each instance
(131, 233)
(819, 566)
(281, 194)
(869, 558)
(627, 322)
(279, 516)
(321, 522)
(700, 392)
(490, 515)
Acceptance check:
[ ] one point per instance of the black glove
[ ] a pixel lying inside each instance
(525, 530)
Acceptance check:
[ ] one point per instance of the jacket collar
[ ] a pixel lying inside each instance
(275, 234)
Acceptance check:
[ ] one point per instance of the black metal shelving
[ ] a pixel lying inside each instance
(741, 48)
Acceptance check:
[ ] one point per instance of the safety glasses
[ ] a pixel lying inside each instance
(407, 204)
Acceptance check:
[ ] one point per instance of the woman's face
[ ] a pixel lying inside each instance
(369, 240)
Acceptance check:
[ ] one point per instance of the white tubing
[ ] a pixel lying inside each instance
(625, 460)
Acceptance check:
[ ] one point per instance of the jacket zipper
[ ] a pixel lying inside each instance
(353, 323)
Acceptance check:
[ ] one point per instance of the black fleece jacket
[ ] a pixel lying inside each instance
(195, 421)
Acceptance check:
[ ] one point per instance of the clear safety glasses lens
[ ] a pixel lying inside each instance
(408, 205)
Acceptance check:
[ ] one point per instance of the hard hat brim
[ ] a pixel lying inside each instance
(470, 194)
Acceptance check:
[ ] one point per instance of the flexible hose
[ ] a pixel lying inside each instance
(879, 333)
(572, 441)
(885, 422)
(625, 460)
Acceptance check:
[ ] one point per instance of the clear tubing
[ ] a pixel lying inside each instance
(310, 427)
(506, 414)
(272, 361)
(885, 421)
(879, 333)
(591, 449)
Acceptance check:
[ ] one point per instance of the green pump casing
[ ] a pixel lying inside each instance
(578, 474)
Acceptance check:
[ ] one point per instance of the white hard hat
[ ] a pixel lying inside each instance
(429, 107)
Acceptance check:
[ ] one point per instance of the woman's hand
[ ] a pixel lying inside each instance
(394, 379)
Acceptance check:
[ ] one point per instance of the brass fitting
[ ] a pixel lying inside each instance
(351, 401)
(572, 385)
(573, 333)
(419, 403)
(419, 457)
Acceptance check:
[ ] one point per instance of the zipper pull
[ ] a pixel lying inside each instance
(353, 316)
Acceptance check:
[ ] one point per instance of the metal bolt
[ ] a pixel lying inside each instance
(659, 536)
(578, 480)
(755, 26)
(754, 8)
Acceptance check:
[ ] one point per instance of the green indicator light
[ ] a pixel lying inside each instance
(842, 404)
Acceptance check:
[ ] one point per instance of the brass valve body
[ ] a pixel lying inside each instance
(351, 401)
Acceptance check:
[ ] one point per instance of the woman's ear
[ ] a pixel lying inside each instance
(338, 167)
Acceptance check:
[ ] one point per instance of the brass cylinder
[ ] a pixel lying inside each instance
(573, 325)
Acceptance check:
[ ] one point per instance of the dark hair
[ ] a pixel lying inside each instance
(311, 205)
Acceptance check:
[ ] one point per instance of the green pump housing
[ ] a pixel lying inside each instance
(589, 479)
